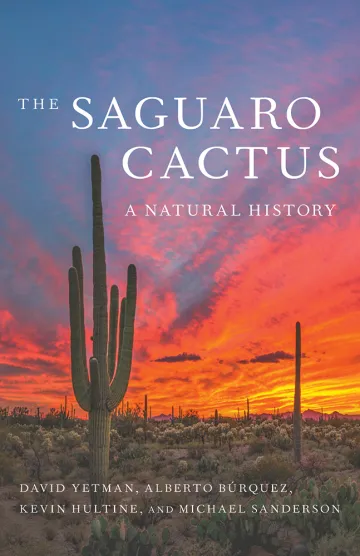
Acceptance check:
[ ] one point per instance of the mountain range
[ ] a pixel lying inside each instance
(308, 414)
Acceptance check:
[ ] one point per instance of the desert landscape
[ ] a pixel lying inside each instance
(179, 278)
(180, 451)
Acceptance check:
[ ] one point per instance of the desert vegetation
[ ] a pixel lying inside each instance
(231, 453)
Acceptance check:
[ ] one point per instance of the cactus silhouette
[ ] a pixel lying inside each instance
(297, 397)
(100, 391)
(145, 416)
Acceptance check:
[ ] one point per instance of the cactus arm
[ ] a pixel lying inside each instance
(80, 379)
(95, 383)
(100, 310)
(122, 375)
(77, 263)
(113, 330)
(122, 322)
(99, 385)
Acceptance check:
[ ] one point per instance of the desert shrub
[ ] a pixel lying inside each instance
(343, 543)
(140, 434)
(132, 451)
(126, 540)
(275, 469)
(337, 423)
(82, 455)
(3, 433)
(196, 452)
(8, 468)
(132, 458)
(125, 425)
(345, 496)
(312, 464)
(266, 469)
(235, 531)
(14, 444)
(248, 473)
(115, 438)
(208, 463)
(354, 457)
(182, 467)
(72, 439)
(157, 463)
(346, 451)
(282, 441)
(38, 457)
(25, 437)
(258, 446)
(66, 464)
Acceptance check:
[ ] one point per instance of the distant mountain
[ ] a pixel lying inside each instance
(162, 417)
(315, 415)
(308, 414)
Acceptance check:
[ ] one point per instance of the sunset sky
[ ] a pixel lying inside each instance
(218, 297)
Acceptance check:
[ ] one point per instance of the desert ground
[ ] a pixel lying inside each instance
(147, 459)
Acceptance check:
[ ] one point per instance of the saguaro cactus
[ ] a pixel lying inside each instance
(101, 391)
(64, 414)
(145, 416)
(297, 398)
(145, 408)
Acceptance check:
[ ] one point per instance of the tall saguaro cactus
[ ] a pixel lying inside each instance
(100, 391)
(297, 399)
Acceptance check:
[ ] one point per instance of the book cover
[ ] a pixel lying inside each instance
(179, 292)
